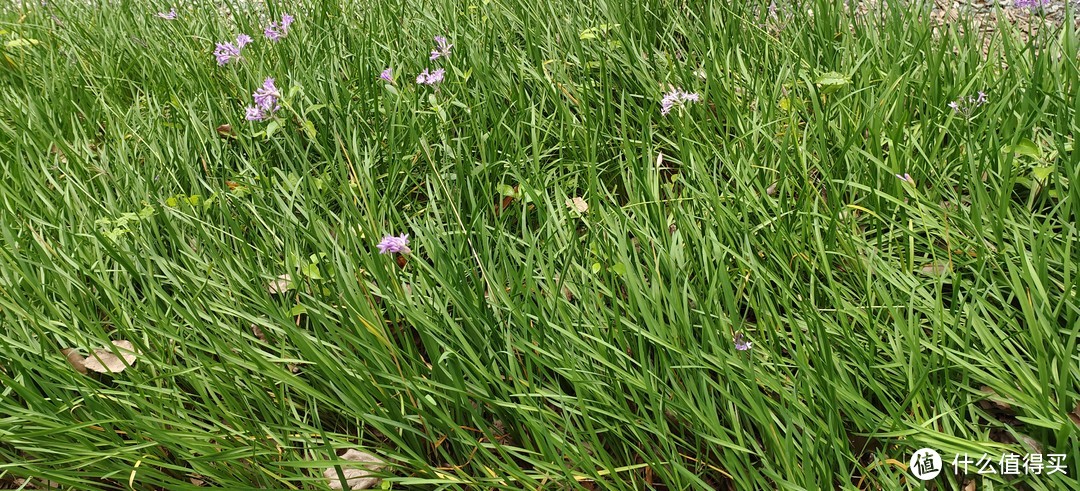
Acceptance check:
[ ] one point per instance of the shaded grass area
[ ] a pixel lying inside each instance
(524, 345)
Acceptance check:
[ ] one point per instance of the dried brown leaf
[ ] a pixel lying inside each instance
(104, 360)
(577, 204)
(993, 400)
(1075, 414)
(75, 359)
(258, 332)
(771, 190)
(936, 269)
(226, 131)
(279, 284)
(356, 477)
(1030, 443)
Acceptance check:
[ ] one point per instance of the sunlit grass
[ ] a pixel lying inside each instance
(527, 343)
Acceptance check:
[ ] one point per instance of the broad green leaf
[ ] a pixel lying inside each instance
(506, 190)
(833, 80)
(309, 129)
(1024, 147)
(1042, 173)
(20, 43)
(272, 127)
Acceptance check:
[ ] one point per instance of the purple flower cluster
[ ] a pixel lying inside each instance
(391, 244)
(740, 343)
(387, 75)
(170, 15)
(967, 105)
(227, 52)
(430, 78)
(677, 98)
(435, 77)
(275, 31)
(266, 102)
(1031, 4)
(442, 48)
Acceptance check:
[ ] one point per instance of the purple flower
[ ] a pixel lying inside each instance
(967, 105)
(442, 48)
(432, 78)
(906, 178)
(391, 244)
(677, 98)
(740, 343)
(1031, 4)
(388, 75)
(267, 96)
(170, 15)
(276, 31)
(227, 52)
(254, 113)
(266, 102)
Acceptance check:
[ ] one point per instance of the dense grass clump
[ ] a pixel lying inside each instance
(655, 244)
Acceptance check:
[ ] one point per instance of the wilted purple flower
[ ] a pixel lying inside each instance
(388, 75)
(740, 343)
(967, 105)
(267, 96)
(254, 113)
(432, 78)
(906, 178)
(170, 15)
(227, 52)
(275, 31)
(677, 98)
(442, 48)
(391, 244)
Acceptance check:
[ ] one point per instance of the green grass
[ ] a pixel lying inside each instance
(525, 346)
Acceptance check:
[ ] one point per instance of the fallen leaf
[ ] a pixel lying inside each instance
(75, 359)
(936, 269)
(105, 361)
(577, 204)
(258, 332)
(355, 477)
(1031, 443)
(226, 131)
(279, 285)
(1075, 414)
(993, 400)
